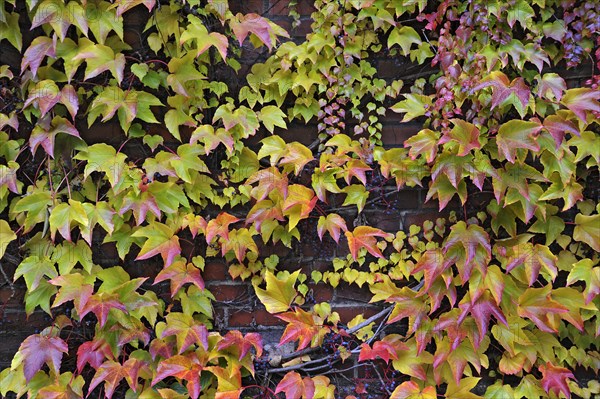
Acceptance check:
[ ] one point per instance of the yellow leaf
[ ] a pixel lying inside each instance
(279, 294)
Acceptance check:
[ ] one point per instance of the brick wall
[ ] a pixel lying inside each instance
(236, 306)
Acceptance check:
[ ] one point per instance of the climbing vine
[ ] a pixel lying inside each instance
(504, 287)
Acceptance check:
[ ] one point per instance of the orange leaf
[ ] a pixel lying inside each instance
(364, 237)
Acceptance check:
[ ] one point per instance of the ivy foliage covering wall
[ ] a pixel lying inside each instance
(509, 289)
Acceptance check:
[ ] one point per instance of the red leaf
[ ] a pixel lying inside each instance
(39, 48)
(516, 134)
(381, 349)
(581, 100)
(93, 352)
(364, 237)
(140, 204)
(37, 350)
(301, 327)
(187, 330)
(180, 273)
(555, 379)
(100, 304)
(111, 373)
(219, 226)
(295, 387)
(243, 25)
(536, 305)
(45, 134)
(465, 134)
(185, 367)
(557, 127)
(333, 223)
(433, 264)
(242, 343)
(482, 311)
(356, 168)
(502, 88)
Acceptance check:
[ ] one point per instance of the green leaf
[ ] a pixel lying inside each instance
(405, 37)
(587, 229)
(413, 106)
(272, 116)
(6, 236)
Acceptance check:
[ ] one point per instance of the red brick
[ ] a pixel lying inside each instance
(321, 292)
(215, 271)
(225, 293)
(281, 7)
(247, 6)
(264, 318)
(240, 318)
(351, 292)
(386, 220)
(347, 313)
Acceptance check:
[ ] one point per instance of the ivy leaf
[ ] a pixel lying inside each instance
(104, 21)
(161, 239)
(468, 246)
(272, 116)
(60, 15)
(584, 270)
(413, 106)
(73, 287)
(242, 25)
(551, 83)
(40, 48)
(301, 326)
(381, 349)
(580, 100)
(423, 143)
(111, 373)
(125, 5)
(410, 390)
(297, 155)
(187, 331)
(103, 158)
(37, 350)
(404, 36)
(186, 367)
(537, 305)
(7, 236)
(587, 229)
(295, 387)
(198, 32)
(298, 204)
(517, 92)
(100, 58)
(45, 135)
(279, 293)
(356, 194)
(64, 215)
(364, 237)
(557, 126)
(33, 269)
(139, 204)
(333, 223)
(219, 226)
(100, 304)
(482, 310)
(433, 264)
(516, 134)
(242, 343)
(462, 390)
(555, 379)
(179, 273)
(239, 242)
(465, 134)
(533, 257)
(356, 168)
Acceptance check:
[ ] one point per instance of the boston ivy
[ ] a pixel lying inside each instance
(508, 289)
